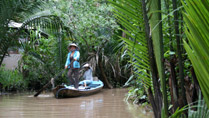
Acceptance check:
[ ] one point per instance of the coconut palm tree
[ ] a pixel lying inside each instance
(128, 13)
(131, 15)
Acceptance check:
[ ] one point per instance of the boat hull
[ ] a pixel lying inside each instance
(64, 92)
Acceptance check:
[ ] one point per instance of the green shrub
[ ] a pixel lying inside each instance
(39, 64)
(11, 80)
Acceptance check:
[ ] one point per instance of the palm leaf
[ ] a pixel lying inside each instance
(129, 15)
(18, 10)
(196, 19)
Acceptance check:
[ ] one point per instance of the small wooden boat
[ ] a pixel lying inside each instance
(63, 91)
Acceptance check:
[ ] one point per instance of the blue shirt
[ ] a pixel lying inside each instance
(76, 56)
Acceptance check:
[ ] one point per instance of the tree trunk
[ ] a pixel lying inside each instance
(5, 45)
(163, 81)
(152, 101)
(104, 77)
(196, 84)
(174, 84)
(117, 71)
(2, 58)
(172, 79)
(179, 52)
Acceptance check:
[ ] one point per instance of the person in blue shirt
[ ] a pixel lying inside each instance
(73, 72)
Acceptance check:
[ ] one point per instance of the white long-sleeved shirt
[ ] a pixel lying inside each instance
(88, 75)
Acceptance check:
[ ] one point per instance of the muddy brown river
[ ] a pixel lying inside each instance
(106, 104)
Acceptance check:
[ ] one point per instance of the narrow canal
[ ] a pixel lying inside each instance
(106, 104)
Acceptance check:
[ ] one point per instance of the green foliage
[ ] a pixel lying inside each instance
(89, 21)
(26, 11)
(202, 110)
(194, 111)
(129, 15)
(36, 21)
(196, 19)
(179, 112)
(12, 80)
(13, 10)
(135, 93)
(40, 60)
(93, 30)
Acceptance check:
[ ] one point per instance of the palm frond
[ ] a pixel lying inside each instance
(129, 15)
(196, 19)
(201, 112)
(11, 10)
(35, 19)
(202, 109)
(44, 22)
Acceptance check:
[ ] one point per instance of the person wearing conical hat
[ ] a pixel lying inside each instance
(88, 77)
(73, 65)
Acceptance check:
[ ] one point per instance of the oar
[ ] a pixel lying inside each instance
(49, 83)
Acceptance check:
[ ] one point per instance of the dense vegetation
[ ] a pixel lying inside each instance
(158, 48)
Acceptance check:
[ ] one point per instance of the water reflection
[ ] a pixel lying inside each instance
(106, 104)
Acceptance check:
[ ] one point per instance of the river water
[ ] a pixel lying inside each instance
(106, 104)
